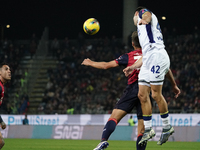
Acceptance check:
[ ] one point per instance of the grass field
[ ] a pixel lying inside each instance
(51, 144)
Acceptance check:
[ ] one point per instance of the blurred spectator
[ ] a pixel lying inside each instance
(55, 45)
(80, 40)
(131, 122)
(33, 47)
(9, 108)
(23, 105)
(5, 44)
(66, 43)
(25, 120)
(34, 38)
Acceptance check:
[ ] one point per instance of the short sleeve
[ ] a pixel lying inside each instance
(122, 60)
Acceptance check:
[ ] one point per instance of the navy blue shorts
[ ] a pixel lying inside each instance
(130, 99)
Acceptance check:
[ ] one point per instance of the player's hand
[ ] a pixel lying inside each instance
(176, 91)
(127, 71)
(143, 22)
(3, 125)
(86, 62)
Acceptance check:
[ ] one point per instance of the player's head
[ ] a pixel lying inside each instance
(5, 73)
(140, 8)
(135, 17)
(135, 40)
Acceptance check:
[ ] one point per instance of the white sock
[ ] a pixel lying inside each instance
(165, 121)
(148, 124)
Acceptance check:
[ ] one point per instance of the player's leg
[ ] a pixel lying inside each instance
(141, 128)
(163, 108)
(156, 91)
(112, 122)
(143, 94)
(159, 65)
(146, 106)
(2, 143)
(140, 134)
(110, 126)
(123, 106)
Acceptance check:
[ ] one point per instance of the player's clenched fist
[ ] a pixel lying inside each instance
(3, 125)
(86, 62)
(128, 70)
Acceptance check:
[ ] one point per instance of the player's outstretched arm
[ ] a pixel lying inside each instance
(99, 65)
(128, 70)
(176, 90)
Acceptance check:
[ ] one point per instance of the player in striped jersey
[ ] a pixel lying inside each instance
(129, 99)
(5, 76)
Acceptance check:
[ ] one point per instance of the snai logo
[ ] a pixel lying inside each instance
(68, 132)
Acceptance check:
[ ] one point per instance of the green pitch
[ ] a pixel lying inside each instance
(50, 144)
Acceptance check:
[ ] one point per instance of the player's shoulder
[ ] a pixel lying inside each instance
(123, 56)
(135, 52)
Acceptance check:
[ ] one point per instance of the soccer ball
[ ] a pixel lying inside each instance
(91, 26)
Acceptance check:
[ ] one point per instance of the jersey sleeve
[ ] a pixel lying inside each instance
(142, 12)
(122, 60)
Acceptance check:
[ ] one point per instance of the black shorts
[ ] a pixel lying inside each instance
(130, 99)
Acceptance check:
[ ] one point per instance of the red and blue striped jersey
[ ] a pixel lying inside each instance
(129, 59)
(1, 92)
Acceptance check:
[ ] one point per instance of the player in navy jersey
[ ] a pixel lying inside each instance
(155, 65)
(5, 76)
(129, 99)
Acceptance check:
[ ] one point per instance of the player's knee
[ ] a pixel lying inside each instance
(157, 96)
(142, 97)
(154, 96)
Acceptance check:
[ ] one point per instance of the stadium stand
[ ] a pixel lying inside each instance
(76, 89)
(53, 80)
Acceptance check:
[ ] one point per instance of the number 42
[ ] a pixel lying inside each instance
(155, 69)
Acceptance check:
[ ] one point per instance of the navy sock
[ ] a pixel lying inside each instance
(108, 129)
(140, 147)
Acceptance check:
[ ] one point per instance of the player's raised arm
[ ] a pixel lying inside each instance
(99, 65)
(176, 90)
(128, 70)
(146, 17)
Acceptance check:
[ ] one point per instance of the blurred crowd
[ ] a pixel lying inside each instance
(76, 89)
(73, 88)
(184, 52)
